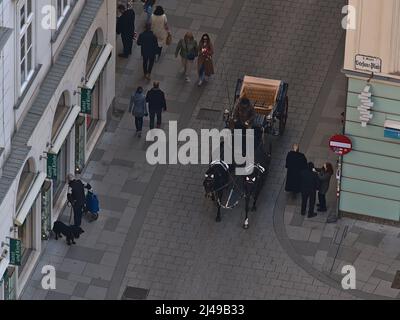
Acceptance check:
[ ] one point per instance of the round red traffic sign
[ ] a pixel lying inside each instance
(340, 144)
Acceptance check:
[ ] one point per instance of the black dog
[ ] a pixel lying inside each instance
(70, 232)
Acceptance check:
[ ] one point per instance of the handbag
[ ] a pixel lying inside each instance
(169, 39)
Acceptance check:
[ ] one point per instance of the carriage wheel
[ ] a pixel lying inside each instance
(283, 118)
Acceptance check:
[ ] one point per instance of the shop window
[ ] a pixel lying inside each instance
(26, 234)
(60, 180)
(91, 119)
(9, 284)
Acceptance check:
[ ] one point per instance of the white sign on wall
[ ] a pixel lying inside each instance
(367, 63)
(366, 105)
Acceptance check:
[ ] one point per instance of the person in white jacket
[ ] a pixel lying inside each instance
(159, 26)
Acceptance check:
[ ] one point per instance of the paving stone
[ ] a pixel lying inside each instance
(134, 187)
(85, 254)
(305, 248)
(298, 233)
(111, 224)
(370, 237)
(383, 275)
(100, 283)
(96, 293)
(384, 289)
(80, 289)
(72, 266)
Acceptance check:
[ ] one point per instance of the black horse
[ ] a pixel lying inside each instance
(254, 182)
(217, 178)
(220, 176)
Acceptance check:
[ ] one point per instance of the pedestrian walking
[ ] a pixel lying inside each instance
(76, 196)
(138, 108)
(148, 9)
(159, 26)
(149, 48)
(309, 187)
(205, 62)
(296, 162)
(188, 49)
(157, 104)
(324, 175)
(126, 28)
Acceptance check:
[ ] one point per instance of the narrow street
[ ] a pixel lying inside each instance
(156, 230)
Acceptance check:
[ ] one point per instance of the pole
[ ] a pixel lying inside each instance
(336, 216)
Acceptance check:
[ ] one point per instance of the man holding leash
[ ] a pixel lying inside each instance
(77, 197)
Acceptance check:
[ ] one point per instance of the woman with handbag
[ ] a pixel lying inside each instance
(205, 62)
(159, 26)
(188, 50)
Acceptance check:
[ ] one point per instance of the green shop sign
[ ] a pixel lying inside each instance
(15, 252)
(51, 166)
(86, 101)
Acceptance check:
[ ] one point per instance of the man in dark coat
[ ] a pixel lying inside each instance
(296, 162)
(77, 198)
(126, 28)
(157, 103)
(244, 114)
(149, 48)
(309, 187)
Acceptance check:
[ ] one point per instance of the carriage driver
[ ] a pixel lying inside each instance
(244, 114)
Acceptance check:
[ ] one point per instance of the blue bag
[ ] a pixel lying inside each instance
(92, 202)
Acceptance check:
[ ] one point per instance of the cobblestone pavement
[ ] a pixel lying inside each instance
(156, 230)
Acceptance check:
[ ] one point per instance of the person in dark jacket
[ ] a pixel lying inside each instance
(324, 175)
(126, 28)
(149, 48)
(77, 197)
(157, 103)
(137, 107)
(244, 114)
(309, 187)
(296, 162)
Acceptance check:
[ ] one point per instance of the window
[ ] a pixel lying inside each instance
(63, 7)
(60, 180)
(26, 39)
(60, 114)
(91, 120)
(94, 51)
(25, 234)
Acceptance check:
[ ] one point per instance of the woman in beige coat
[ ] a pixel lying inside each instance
(159, 26)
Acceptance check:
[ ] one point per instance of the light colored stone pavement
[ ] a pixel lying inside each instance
(156, 231)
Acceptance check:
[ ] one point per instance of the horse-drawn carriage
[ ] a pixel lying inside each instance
(261, 105)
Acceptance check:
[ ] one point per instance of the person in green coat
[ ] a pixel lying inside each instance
(187, 48)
